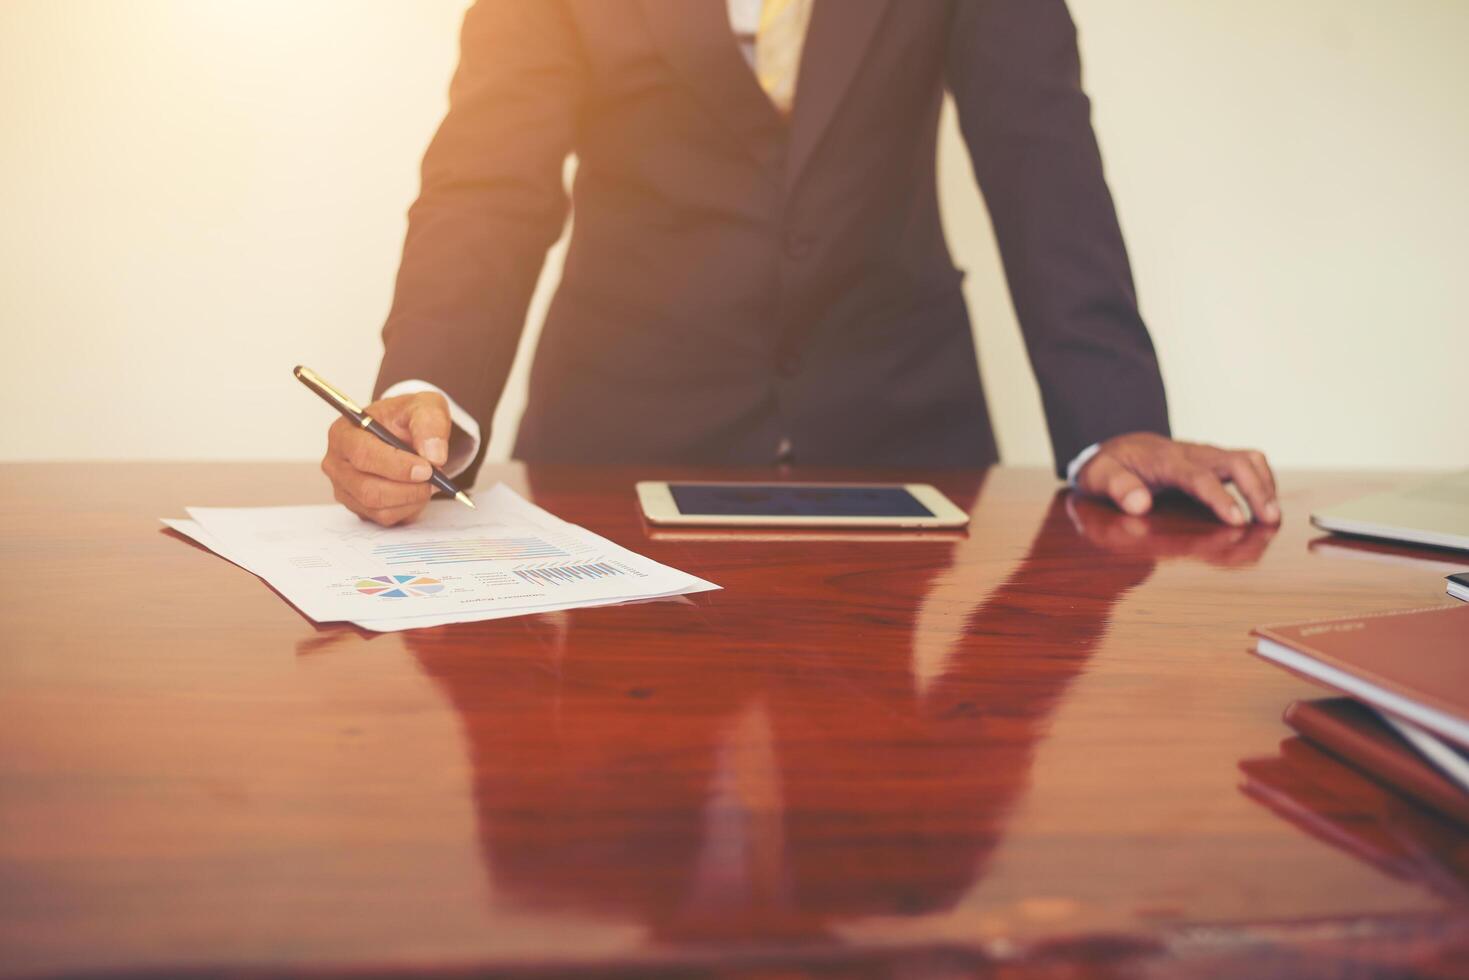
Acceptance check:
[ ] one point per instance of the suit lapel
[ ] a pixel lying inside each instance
(836, 41)
(694, 37)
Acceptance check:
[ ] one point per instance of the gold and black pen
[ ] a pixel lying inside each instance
(350, 410)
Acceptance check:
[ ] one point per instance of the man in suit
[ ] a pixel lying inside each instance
(757, 270)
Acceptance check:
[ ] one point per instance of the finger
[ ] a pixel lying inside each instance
(422, 419)
(367, 453)
(393, 516)
(375, 493)
(1105, 476)
(428, 428)
(1237, 467)
(386, 516)
(367, 492)
(1267, 480)
(1200, 483)
(338, 431)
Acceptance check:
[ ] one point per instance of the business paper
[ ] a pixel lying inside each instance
(507, 558)
(193, 531)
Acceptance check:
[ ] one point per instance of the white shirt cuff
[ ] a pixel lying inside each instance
(1082, 458)
(463, 441)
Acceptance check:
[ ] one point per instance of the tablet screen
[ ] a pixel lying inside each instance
(784, 500)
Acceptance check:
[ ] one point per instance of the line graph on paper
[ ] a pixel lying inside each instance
(456, 550)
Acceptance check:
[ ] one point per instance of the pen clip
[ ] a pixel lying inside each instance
(320, 385)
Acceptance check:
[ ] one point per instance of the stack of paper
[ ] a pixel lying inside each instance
(454, 565)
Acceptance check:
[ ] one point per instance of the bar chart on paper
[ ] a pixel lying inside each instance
(567, 574)
(455, 550)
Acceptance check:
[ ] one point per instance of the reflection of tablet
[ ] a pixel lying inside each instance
(799, 504)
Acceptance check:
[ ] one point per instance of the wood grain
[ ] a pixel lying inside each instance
(1016, 751)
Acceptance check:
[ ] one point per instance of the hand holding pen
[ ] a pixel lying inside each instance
(383, 461)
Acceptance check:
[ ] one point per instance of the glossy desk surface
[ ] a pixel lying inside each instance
(1009, 752)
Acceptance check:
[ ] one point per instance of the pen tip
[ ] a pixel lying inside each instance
(463, 498)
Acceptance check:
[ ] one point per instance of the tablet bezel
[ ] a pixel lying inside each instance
(659, 507)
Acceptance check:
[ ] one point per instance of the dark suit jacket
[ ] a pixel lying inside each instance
(735, 278)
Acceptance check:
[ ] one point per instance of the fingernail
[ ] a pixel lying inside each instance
(435, 450)
(1235, 515)
(1272, 512)
(419, 473)
(1135, 502)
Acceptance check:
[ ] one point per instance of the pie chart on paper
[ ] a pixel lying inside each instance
(399, 586)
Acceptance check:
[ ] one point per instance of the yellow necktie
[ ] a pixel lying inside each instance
(778, 42)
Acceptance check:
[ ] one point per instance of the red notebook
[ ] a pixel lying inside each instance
(1413, 664)
(1354, 733)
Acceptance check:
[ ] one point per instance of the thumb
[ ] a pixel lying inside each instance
(1104, 476)
(428, 427)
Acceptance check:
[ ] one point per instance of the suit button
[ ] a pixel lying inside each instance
(798, 246)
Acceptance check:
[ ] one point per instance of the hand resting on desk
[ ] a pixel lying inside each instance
(377, 482)
(1129, 468)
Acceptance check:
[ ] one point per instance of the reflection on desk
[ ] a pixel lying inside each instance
(1440, 561)
(1343, 808)
(813, 787)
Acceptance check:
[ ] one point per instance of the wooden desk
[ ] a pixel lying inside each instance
(1008, 752)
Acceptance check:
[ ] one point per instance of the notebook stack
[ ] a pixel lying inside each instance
(1459, 586)
(1404, 719)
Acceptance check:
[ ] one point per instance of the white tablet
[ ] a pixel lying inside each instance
(871, 505)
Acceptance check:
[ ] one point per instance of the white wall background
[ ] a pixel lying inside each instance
(197, 194)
